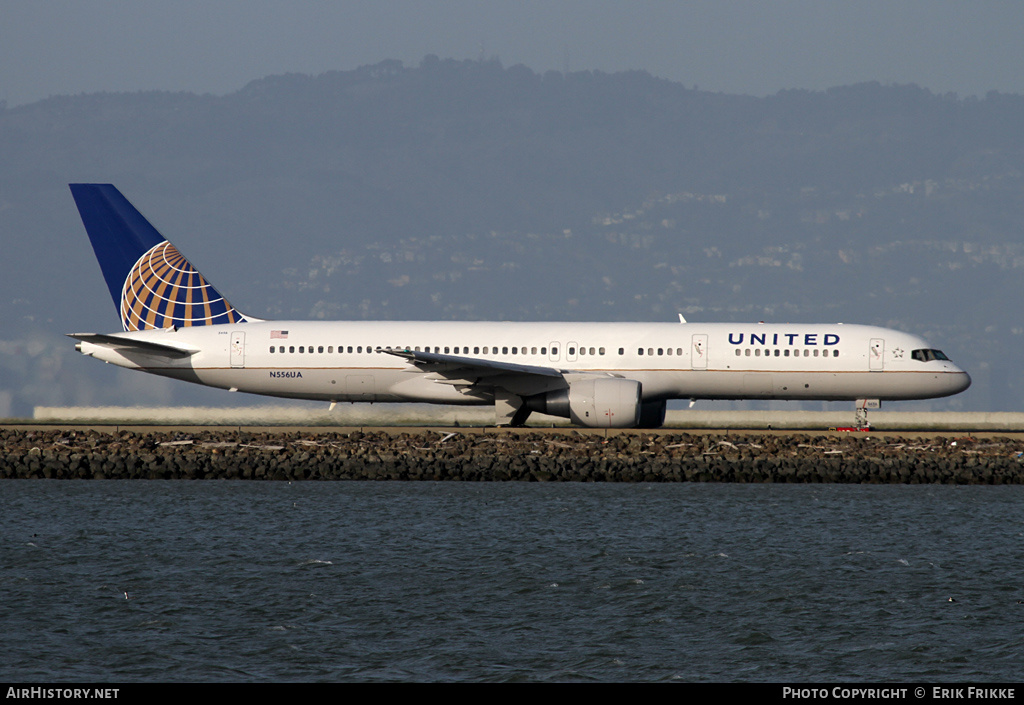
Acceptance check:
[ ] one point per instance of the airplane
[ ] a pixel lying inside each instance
(601, 375)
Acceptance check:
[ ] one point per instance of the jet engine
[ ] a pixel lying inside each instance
(603, 402)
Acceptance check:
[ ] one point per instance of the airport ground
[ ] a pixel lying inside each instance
(431, 416)
(961, 452)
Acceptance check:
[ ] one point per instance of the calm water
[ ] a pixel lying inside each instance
(237, 581)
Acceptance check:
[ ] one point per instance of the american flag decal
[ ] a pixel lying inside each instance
(278, 334)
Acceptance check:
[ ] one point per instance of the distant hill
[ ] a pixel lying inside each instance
(465, 189)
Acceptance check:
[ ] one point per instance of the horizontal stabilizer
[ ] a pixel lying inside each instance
(116, 342)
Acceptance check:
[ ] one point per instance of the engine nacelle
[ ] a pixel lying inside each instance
(604, 402)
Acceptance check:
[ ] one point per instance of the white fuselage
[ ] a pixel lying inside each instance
(342, 361)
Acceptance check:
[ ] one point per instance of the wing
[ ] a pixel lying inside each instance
(476, 373)
(116, 342)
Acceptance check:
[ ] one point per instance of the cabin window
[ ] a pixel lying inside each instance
(572, 351)
(622, 351)
(639, 351)
(554, 352)
(271, 348)
(757, 352)
(661, 351)
(600, 351)
(738, 352)
(514, 350)
(786, 354)
(504, 350)
(320, 349)
(679, 351)
(543, 351)
(835, 353)
(650, 351)
(748, 352)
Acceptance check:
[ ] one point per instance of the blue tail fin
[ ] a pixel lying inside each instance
(152, 284)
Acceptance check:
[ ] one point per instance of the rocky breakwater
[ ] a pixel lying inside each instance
(522, 455)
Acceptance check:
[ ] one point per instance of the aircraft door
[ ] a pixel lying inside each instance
(876, 355)
(699, 351)
(238, 349)
(553, 351)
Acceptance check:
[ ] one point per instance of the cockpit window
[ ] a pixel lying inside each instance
(928, 355)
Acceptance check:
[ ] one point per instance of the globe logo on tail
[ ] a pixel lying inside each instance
(163, 289)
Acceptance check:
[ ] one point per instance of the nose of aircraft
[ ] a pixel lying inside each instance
(959, 381)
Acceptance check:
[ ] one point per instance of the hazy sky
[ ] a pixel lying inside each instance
(51, 47)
